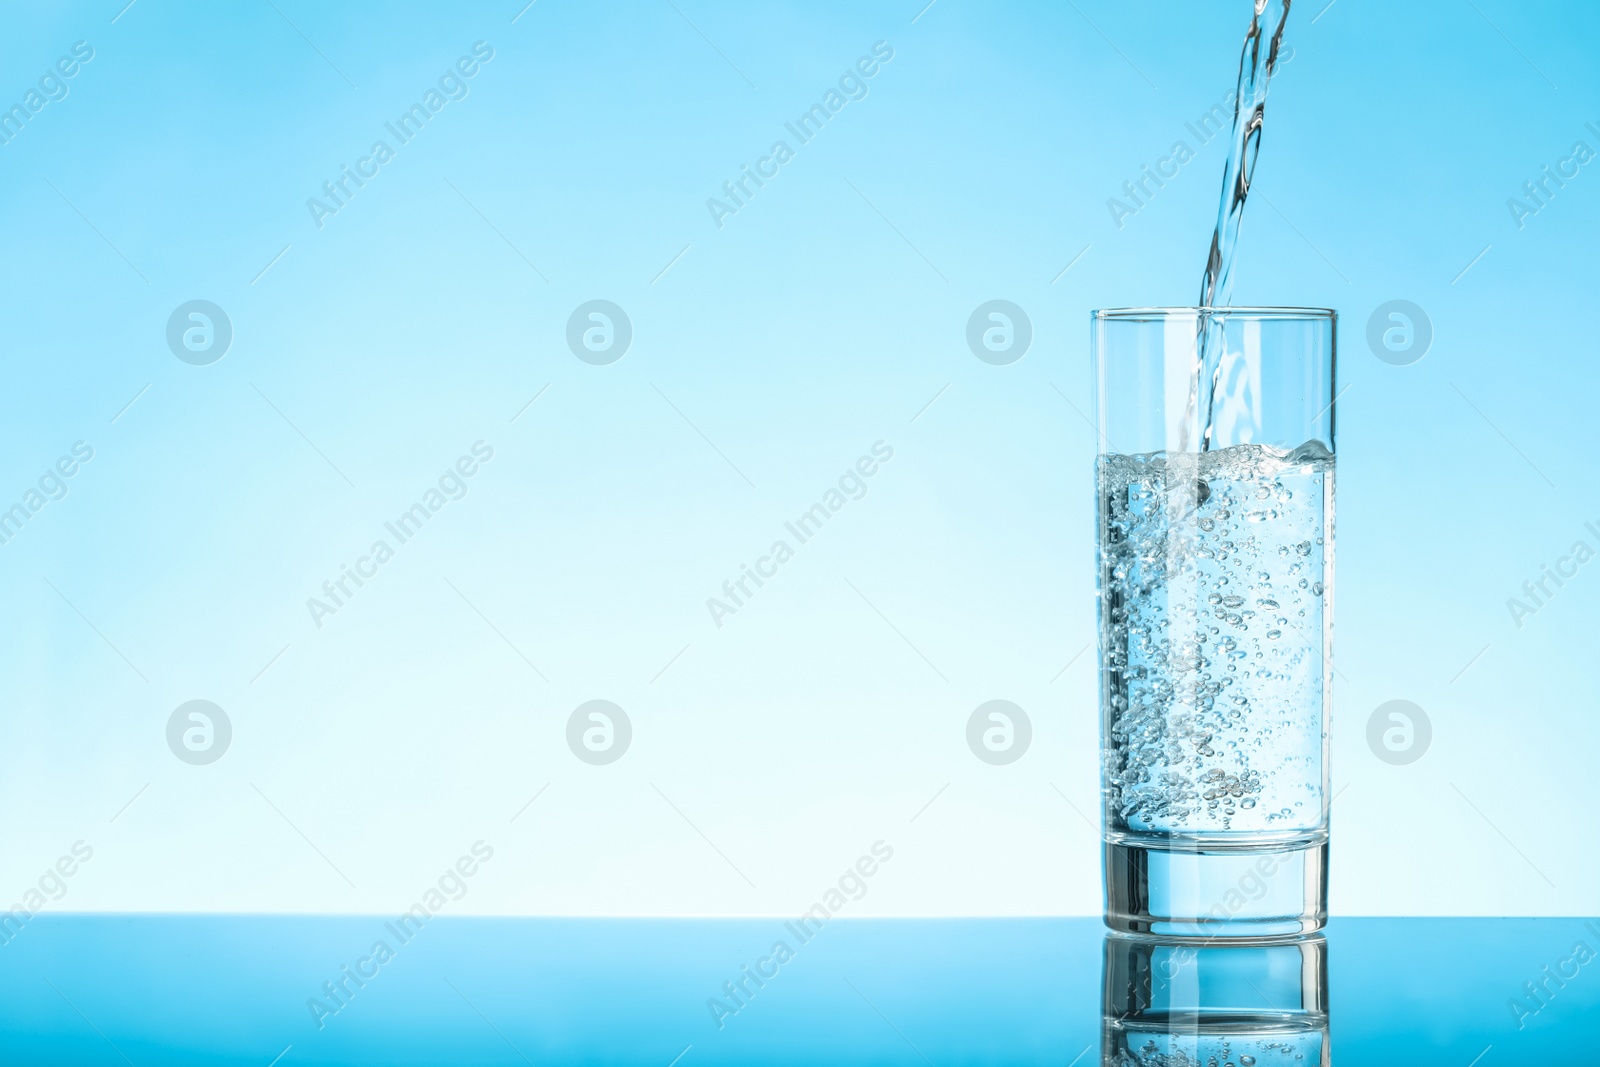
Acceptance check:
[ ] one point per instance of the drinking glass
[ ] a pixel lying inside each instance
(1214, 499)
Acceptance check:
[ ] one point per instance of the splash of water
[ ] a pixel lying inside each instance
(1256, 65)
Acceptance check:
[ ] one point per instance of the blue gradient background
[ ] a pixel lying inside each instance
(770, 753)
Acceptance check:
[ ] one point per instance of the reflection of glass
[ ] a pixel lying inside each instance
(1187, 1003)
(1215, 540)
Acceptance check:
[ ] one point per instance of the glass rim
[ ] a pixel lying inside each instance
(1160, 314)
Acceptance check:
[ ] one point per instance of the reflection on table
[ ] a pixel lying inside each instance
(1177, 1003)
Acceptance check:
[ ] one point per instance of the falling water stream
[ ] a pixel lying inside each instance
(1256, 65)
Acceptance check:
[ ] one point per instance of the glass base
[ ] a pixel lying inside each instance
(1171, 1002)
(1216, 888)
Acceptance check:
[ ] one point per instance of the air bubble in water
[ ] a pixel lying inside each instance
(1197, 670)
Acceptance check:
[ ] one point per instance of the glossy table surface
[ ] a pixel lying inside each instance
(140, 990)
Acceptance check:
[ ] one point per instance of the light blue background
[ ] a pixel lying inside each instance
(773, 751)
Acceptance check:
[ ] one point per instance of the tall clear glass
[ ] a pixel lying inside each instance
(1214, 494)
